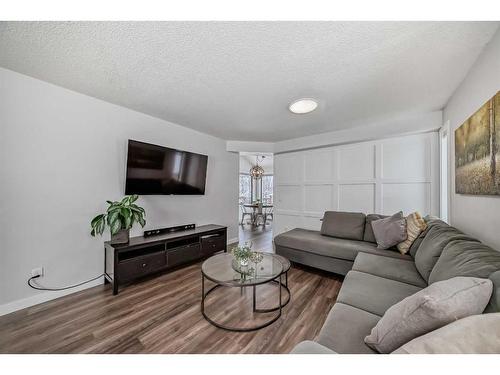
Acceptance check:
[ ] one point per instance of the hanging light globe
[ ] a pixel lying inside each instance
(256, 171)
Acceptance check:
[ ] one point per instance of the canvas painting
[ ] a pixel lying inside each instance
(477, 151)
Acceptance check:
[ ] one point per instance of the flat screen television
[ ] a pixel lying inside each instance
(157, 170)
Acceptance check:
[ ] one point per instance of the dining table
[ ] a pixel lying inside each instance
(255, 207)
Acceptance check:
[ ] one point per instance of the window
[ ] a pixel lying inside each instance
(267, 189)
(245, 188)
(263, 189)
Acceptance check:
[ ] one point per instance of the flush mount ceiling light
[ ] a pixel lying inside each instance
(302, 106)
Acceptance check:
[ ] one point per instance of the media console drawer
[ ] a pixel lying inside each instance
(212, 243)
(183, 254)
(142, 265)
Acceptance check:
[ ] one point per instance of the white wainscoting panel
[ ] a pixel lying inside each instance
(407, 197)
(319, 165)
(356, 197)
(318, 197)
(357, 162)
(406, 158)
(382, 176)
(288, 198)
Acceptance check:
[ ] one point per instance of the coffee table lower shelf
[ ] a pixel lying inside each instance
(281, 286)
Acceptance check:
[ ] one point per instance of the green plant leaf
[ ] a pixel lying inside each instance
(96, 219)
(113, 216)
(101, 227)
(126, 213)
(141, 221)
(115, 226)
(137, 208)
(133, 198)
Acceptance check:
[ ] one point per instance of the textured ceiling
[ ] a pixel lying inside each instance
(235, 79)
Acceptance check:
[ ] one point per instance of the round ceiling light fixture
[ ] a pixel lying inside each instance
(302, 106)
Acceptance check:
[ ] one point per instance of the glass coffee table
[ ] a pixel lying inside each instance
(225, 271)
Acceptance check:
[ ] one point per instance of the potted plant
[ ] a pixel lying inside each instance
(120, 217)
(243, 254)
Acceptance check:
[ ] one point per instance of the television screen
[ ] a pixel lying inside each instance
(156, 170)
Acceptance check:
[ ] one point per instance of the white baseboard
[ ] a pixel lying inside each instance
(48, 296)
(233, 240)
(10, 307)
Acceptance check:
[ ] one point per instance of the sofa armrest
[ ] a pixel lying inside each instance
(311, 347)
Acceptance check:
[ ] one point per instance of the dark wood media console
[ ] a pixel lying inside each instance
(143, 256)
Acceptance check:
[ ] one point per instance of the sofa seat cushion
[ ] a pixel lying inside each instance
(439, 235)
(345, 329)
(313, 242)
(390, 268)
(372, 293)
(311, 347)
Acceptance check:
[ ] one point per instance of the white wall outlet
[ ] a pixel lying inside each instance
(37, 272)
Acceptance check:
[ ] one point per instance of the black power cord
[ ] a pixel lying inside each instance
(57, 289)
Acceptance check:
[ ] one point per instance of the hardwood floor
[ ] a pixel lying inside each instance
(162, 315)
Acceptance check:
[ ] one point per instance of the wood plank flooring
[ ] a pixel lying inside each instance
(162, 315)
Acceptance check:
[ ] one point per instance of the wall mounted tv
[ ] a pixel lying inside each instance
(157, 170)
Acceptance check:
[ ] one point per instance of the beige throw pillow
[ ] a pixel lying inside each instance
(415, 225)
(431, 308)
(477, 334)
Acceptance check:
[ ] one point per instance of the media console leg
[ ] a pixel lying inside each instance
(115, 287)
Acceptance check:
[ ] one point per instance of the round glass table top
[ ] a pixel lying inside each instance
(225, 270)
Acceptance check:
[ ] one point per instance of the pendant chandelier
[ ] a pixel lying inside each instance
(256, 171)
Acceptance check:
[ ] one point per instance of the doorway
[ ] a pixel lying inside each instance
(256, 201)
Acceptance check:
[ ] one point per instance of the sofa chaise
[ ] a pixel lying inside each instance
(377, 279)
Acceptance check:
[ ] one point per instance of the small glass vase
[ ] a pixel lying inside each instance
(243, 262)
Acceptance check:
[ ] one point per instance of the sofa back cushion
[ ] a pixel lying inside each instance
(369, 236)
(429, 251)
(429, 221)
(348, 225)
(469, 258)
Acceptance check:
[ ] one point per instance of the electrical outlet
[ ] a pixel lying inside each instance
(37, 272)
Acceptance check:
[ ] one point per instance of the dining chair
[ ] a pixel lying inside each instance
(245, 212)
(268, 213)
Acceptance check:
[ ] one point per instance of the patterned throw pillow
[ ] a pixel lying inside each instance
(415, 225)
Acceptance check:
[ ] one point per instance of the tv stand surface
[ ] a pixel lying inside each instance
(143, 256)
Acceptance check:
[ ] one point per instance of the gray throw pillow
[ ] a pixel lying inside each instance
(431, 308)
(390, 231)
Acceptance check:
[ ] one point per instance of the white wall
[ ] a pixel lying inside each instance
(476, 215)
(62, 154)
(245, 164)
(382, 176)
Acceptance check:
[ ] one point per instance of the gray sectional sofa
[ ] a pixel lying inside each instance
(377, 279)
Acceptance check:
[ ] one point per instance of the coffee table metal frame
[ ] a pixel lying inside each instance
(279, 308)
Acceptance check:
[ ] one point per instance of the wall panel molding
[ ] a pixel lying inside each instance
(380, 176)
